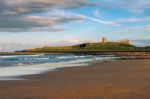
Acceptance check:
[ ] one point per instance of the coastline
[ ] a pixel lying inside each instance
(122, 79)
(125, 54)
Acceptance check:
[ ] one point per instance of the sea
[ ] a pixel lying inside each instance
(16, 67)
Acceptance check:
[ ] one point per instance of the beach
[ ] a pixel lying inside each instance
(122, 79)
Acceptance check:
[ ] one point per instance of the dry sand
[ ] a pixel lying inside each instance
(124, 79)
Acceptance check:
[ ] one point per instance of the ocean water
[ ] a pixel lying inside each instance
(13, 67)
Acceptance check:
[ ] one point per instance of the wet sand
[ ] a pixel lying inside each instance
(124, 79)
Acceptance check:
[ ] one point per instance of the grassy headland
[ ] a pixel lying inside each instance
(124, 47)
(109, 46)
(117, 48)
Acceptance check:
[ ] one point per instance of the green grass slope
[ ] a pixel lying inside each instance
(109, 46)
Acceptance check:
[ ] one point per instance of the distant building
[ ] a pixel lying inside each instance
(126, 41)
(104, 40)
(80, 45)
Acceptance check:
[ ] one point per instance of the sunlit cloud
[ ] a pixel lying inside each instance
(19, 15)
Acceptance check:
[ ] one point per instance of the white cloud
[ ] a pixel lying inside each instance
(112, 23)
(8, 47)
(63, 13)
(141, 42)
(134, 20)
(74, 41)
(97, 13)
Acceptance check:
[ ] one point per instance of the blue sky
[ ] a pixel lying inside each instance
(35, 23)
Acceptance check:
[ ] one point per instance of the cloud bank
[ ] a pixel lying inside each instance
(25, 15)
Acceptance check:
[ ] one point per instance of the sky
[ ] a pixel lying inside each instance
(35, 23)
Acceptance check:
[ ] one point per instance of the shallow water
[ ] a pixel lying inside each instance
(14, 66)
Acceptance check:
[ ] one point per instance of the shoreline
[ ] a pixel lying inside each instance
(123, 79)
(78, 52)
(124, 54)
(50, 67)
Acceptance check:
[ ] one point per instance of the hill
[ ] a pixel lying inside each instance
(108, 46)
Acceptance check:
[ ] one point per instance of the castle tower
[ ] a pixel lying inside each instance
(126, 41)
(104, 40)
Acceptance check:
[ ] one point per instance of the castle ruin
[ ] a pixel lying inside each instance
(126, 41)
(104, 40)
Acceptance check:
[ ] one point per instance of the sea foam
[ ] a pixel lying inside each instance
(16, 71)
